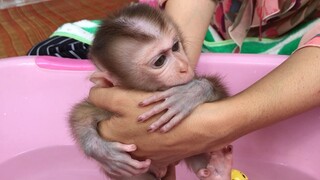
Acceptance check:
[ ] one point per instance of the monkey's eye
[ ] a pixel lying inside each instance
(160, 61)
(175, 46)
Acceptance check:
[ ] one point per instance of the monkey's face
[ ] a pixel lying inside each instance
(165, 62)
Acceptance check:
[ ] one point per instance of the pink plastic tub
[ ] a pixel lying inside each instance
(37, 93)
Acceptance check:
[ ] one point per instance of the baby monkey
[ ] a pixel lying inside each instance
(141, 48)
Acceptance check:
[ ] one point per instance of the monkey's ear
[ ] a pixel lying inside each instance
(101, 79)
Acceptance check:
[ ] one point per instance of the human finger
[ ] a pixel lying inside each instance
(106, 98)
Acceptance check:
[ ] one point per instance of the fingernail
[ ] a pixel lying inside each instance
(206, 172)
(150, 129)
(212, 152)
(148, 162)
(140, 119)
(132, 148)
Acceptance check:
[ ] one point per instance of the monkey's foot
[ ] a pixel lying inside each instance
(219, 167)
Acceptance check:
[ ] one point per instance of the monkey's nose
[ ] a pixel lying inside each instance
(183, 70)
(183, 67)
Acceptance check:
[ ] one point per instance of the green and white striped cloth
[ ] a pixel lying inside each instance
(82, 31)
(284, 45)
(85, 30)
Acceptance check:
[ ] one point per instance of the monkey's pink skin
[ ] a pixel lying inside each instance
(35, 142)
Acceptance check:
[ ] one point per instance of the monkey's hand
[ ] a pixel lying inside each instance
(115, 160)
(179, 101)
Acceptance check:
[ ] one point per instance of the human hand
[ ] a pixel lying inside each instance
(179, 101)
(169, 147)
(117, 100)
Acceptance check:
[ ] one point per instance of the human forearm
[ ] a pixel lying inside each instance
(292, 88)
(193, 18)
(166, 148)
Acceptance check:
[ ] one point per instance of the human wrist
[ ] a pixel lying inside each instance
(207, 127)
(221, 123)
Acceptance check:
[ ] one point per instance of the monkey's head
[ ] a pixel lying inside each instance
(140, 47)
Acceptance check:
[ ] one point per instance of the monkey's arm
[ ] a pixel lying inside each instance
(179, 101)
(113, 156)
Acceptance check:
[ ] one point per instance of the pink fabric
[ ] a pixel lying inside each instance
(153, 3)
(311, 38)
(238, 19)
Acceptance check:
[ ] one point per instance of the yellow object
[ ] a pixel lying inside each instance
(238, 175)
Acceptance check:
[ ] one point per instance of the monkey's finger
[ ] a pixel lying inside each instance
(130, 167)
(133, 171)
(122, 172)
(124, 147)
(110, 173)
(121, 169)
(173, 122)
(144, 170)
(155, 98)
(127, 159)
(162, 120)
(155, 110)
(138, 164)
(126, 170)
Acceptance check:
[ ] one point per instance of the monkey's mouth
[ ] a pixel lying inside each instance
(186, 80)
(189, 78)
